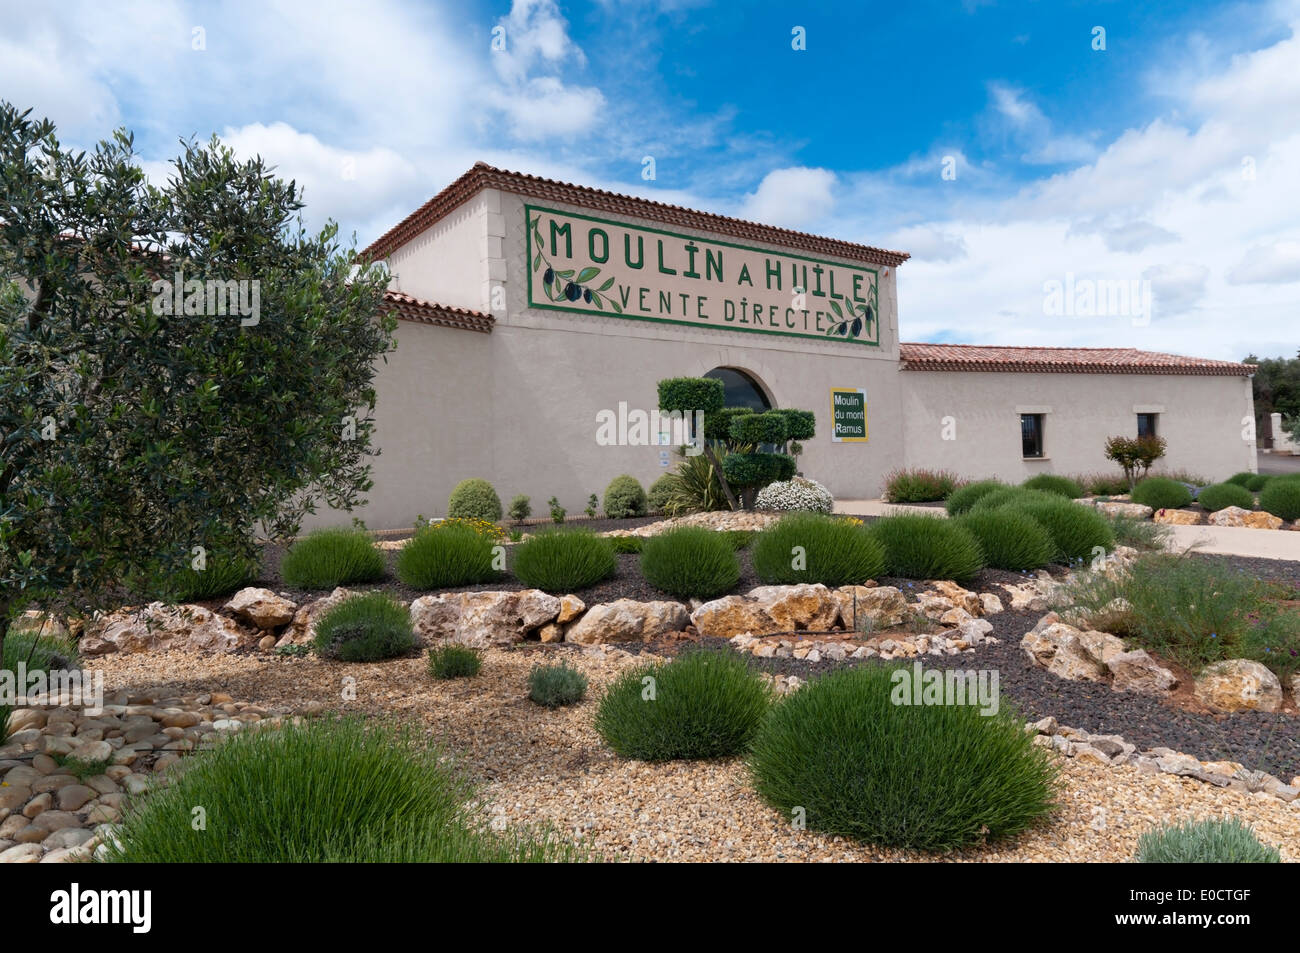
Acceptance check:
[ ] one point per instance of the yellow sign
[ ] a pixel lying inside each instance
(848, 415)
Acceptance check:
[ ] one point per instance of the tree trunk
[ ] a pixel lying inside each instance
(722, 477)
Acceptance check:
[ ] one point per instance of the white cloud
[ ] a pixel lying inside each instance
(1268, 264)
(794, 198)
(928, 243)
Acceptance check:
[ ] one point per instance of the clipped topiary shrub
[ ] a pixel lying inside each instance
(323, 791)
(520, 508)
(624, 498)
(795, 495)
(919, 486)
(809, 547)
(661, 492)
(690, 562)
(553, 686)
(1161, 493)
(1077, 531)
(1281, 498)
(1227, 841)
(928, 547)
(1010, 539)
(1051, 483)
(1222, 495)
(474, 499)
(454, 661)
(442, 557)
(365, 628)
(326, 558)
(760, 428)
(757, 469)
(964, 497)
(863, 764)
(564, 560)
(703, 704)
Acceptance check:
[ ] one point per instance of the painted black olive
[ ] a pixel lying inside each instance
(856, 329)
(549, 276)
(586, 295)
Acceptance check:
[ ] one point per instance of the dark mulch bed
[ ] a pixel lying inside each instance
(1284, 571)
(1268, 742)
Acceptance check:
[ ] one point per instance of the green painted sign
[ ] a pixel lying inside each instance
(586, 265)
(848, 415)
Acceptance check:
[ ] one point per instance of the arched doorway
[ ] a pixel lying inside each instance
(741, 389)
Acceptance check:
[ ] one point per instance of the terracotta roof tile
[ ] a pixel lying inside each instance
(407, 308)
(1060, 360)
(483, 176)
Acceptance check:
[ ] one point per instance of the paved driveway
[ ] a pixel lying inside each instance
(1277, 463)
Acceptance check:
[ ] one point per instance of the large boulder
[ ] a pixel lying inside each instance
(627, 620)
(1139, 673)
(161, 627)
(1239, 684)
(1250, 519)
(1133, 510)
(769, 609)
(302, 630)
(1070, 653)
(481, 619)
(1177, 517)
(261, 607)
(959, 597)
(870, 608)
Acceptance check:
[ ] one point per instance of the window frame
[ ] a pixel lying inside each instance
(1040, 440)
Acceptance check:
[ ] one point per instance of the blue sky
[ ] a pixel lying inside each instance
(1170, 157)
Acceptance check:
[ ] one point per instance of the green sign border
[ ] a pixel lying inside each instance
(528, 261)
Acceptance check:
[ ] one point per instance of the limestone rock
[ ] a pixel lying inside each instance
(1138, 672)
(1236, 516)
(570, 608)
(870, 608)
(990, 603)
(1239, 685)
(302, 630)
(261, 607)
(959, 597)
(769, 609)
(1177, 517)
(1134, 510)
(627, 620)
(480, 619)
(1062, 650)
(160, 627)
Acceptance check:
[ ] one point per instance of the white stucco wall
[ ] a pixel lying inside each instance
(1201, 418)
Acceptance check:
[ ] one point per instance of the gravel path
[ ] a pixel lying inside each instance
(550, 767)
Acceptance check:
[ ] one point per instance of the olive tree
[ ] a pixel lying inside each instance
(180, 364)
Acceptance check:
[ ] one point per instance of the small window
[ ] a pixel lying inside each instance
(1147, 425)
(1031, 434)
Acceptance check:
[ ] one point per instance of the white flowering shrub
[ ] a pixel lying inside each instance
(807, 496)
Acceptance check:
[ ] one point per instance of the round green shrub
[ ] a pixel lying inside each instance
(690, 562)
(1010, 496)
(520, 508)
(1161, 493)
(964, 497)
(1222, 495)
(1077, 531)
(1241, 478)
(553, 686)
(474, 499)
(1051, 483)
(325, 790)
(446, 556)
(928, 547)
(812, 548)
(454, 661)
(365, 628)
(703, 704)
(624, 498)
(660, 492)
(757, 469)
(1281, 498)
(1258, 481)
(1227, 841)
(1009, 538)
(930, 777)
(221, 576)
(326, 558)
(564, 560)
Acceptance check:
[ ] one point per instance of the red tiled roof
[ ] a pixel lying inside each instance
(483, 176)
(406, 308)
(1060, 360)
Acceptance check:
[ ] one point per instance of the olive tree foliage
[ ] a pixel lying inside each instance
(132, 438)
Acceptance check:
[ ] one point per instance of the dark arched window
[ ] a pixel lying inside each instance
(742, 390)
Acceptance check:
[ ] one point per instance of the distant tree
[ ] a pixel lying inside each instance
(1276, 387)
(1135, 455)
(137, 436)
